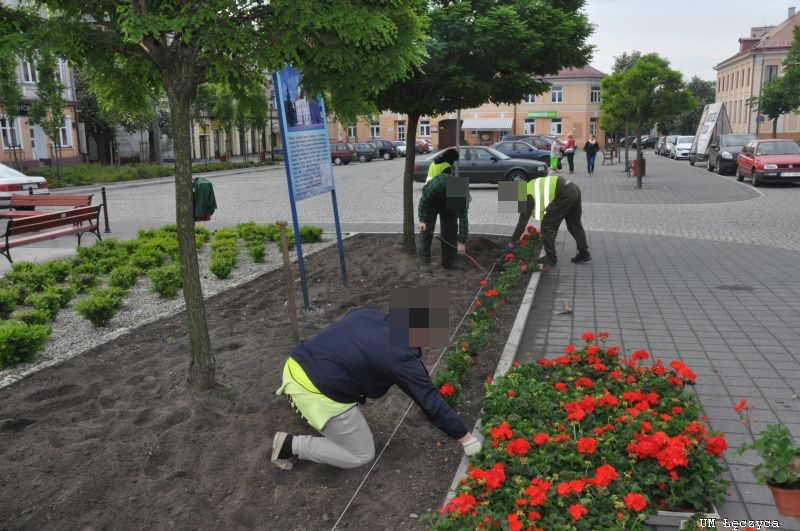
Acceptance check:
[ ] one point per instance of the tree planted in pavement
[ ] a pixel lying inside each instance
(346, 48)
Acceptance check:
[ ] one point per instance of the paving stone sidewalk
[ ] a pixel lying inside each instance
(730, 310)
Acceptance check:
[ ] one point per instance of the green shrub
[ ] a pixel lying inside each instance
(48, 301)
(101, 305)
(147, 258)
(166, 280)
(274, 234)
(222, 265)
(201, 235)
(64, 292)
(164, 243)
(224, 250)
(32, 317)
(19, 342)
(29, 277)
(58, 270)
(8, 300)
(255, 238)
(310, 234)
(84, 276)
(124, 276)
(257, 251)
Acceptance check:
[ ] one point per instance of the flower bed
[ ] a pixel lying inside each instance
(590, 440)
(461, 356)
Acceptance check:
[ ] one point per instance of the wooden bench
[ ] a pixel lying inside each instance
(28, 202)
(608, 155)
(37, 228)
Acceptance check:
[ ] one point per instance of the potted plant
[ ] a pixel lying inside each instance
(780, 467)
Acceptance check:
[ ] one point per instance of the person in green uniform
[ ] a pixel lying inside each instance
(551, 200)
(443, 196)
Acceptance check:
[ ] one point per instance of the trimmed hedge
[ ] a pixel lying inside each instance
(19, 342)
(101, 305)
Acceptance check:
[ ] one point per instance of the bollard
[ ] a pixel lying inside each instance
(105, 208)
(287, 274)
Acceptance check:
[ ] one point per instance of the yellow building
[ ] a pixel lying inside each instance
(742, 76)
(572, 105)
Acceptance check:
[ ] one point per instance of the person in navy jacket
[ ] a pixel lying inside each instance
(328, 376)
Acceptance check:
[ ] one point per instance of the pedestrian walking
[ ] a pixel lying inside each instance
(551, 200)
(328, 376)
(555, 154)
(569, 152)
(442, 198)
(591, 148)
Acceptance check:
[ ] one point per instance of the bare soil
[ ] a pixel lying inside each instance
(114, 438)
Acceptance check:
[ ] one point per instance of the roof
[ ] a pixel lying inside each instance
(576, 73)
(779, 37)
(487, 124)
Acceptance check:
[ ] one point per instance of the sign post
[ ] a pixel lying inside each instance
(309, 171)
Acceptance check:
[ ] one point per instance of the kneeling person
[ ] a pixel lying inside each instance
(329, 375)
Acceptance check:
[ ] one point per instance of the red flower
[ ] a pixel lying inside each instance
(503, 431)
(635, 502)
(612, 352)
(587, 445)
(462, 504)
(541, 438)
(592, 350)
(489, 380)
(615, 374)
(563, 489)
(569, 349)
(560, 386)
(537, 492)
(464, 346)
(492, 479)
(741, 405)
(447, 390)
(588, 336)
(716, 445)
(478, 304)
(604, 475)
(603, 335)
(509, 257)
(523, 243)
(608, 400)
(530, 228)
(577, 511)
(640, 355)
(515, 364)
(677, 410)
(620, 515)
(584, 382)
(518, 446)
(674, 381)
(546, 363)
(511, 393)
(492, 293)
(513, 522)
(673, 456)
(483, 282)
(646, 426)
(526, 236)
(563, 360)
(674, 475)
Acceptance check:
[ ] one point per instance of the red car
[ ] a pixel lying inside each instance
(772, 160)
(422, 146)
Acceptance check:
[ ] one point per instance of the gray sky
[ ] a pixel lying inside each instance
(694, 35)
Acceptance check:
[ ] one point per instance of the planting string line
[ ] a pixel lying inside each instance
(411, 403)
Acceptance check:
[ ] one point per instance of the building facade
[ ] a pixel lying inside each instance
(572, 105)
(743, 76)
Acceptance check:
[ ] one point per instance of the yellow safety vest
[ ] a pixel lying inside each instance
(315, 407)
(435, 169)
(543, 191)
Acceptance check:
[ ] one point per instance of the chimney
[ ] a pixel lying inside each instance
(791, 12)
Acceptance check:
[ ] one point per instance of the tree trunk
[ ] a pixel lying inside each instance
(639, 157)
(201, 367)
(17, 162)
(409, 244)
(155, 132)
(627, 143)
(775, 127)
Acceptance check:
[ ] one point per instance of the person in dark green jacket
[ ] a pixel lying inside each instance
(445, 196)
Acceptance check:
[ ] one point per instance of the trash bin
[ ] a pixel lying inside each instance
(204, 201)
(636, 167)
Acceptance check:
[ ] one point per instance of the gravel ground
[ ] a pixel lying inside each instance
(72, 334)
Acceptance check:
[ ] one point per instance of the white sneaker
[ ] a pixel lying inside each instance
(277, 444)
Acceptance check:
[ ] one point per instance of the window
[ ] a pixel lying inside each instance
(374, 129)
(593, 126)
(28, 72)
(737, 79)
(11, 139)
(351, 131)
(594, 95)
(557, 94)
(33, 138)
(530, 126)
(425, 128)
(748, 76)
(401, 131)
(530, 98)
(555, 126)
(770, 73)
(66, 133)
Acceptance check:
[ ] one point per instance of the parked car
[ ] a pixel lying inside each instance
(342, 153)
(386, 148)
(522, 150)
(483, 164)
(661, 145)
(365, 152)
(15, 182)
(401, 148)
(647, 141)
(629, 140)
(423, 146)
(724, 151)
(537, 141)
(769, 160)
(670, 145)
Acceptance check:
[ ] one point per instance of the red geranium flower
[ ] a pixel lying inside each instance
(447, 390)
(588, 336)
(640, 355)
(587, 445)
(511, 393)
(541, 438)
(537, 492)
(635, 501)
(513, 522)
(478, 304)
(489, 380)
(741, 405)
(518, 446)
(592, 350)
(561, 386)
(503, 431)
(608, 400)
(492, 293)
(530, 228)
(677, 410)
(584, 382)
(603, 335)
(483, 282)
(569, 349)
(526, 236)
(546, 363)
(604, 475)
(464, 346)
(509, 257)
(716, 445)
(462, 504)
(577, 511)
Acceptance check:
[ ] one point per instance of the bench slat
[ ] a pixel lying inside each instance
(26, 200)
(49, 235)
(56, 219)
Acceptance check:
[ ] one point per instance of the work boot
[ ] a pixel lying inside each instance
(277, 445)
(582, 256)
(547, 260)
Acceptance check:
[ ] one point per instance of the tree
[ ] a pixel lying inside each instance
(626, 61)
(646, 92)
(99, 122)
(482, 51)
(48, 109)
(704, 92)
(10, 97)
(345, 47)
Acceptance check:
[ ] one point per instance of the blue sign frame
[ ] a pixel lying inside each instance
(306, 154)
